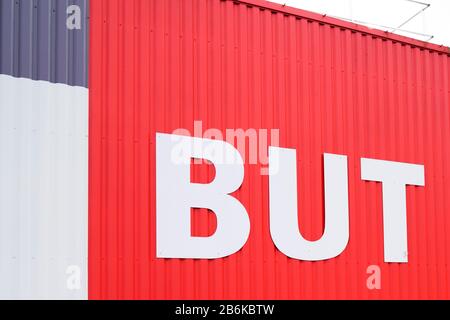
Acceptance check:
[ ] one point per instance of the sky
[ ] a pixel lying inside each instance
(388, 15)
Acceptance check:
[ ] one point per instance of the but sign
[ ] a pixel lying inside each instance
(176, 195)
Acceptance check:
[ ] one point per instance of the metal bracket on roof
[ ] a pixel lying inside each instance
(425, 7)
(389, 29)
(375, 25)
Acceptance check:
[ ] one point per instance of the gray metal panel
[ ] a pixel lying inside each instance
(35, 42)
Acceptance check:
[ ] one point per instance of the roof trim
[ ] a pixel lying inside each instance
(276, 7)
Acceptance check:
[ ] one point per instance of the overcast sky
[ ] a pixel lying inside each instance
(434, 21)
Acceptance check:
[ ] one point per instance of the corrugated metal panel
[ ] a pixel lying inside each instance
(43, 150)
(329, 86)
(35, 42)
(43, 190)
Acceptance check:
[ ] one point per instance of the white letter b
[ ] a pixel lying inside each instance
(176, 195)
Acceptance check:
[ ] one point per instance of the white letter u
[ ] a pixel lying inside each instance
(283, 207)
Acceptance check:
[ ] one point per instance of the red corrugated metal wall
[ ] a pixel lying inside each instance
(328, 86)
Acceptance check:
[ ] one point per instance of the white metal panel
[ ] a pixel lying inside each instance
(43, 190)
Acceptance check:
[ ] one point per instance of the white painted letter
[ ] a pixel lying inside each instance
(176, 195)
(284, 214)
(394, 176)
